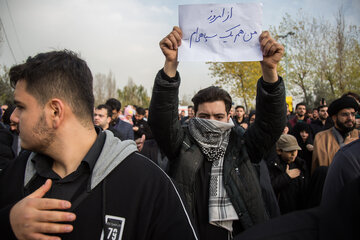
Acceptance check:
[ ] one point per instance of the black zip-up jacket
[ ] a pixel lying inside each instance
(187, 161)
(128, 197)
(290, 192)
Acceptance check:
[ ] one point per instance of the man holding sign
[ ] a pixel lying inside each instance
(210, 159)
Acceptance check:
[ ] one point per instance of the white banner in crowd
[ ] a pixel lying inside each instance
(220, 32)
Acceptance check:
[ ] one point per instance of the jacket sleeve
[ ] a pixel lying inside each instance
(5, 227)
(163, 114)
(130, 134)
(270, 119)
(279, 181)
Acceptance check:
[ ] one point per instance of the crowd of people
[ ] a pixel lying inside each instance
(73, 170)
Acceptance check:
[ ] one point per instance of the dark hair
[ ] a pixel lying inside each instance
(191, 106)
(300, 104)
(299, 127)
(240, 106)
(212, 94)
(7, 114)
(113, 104)
(107, 108)
(140, 111)
(58, 74)
(320, 107)
(252, 113)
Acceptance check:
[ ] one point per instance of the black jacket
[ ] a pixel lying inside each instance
(135, 194)
(290, 192)
(6, 152)
(187, 161)
(144, 128)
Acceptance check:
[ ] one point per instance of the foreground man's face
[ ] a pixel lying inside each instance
(213, 111)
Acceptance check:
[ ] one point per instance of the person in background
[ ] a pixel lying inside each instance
(303, 135)
(141, 127)
(146, 116)
(300, 115)
(240, 117)
(288, 175)
(315, 114)
(102, 119)
(121, 126)
(357, 98)
(129, 113)
(328, 142)
(190, 115)
(323, 122)
(252, 116)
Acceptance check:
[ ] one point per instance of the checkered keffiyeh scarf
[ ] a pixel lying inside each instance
(213, 137)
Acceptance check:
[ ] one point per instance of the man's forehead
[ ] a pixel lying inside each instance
(212, 106)
(347, 110)
(20, 91)
(100, 110)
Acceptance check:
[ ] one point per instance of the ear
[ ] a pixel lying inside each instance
(108, 119)
(334, 117)
(57, 112)
(278, 151)
(228, 116)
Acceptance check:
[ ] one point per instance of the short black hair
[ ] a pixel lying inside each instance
(107, 107)
(212, 94)
(113, 103)
(240, 106)
(58, 74)
(140, 111)
(320, 107)
(300, 104)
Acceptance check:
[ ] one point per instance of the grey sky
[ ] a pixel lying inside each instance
(123, 36)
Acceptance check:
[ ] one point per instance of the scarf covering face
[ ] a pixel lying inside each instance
(213, 137)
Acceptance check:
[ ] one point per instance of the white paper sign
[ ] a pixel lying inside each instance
(220, 32)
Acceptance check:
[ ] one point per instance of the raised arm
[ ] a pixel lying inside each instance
(272, 53)
(163, 111)
(169, 46)
(270, 102)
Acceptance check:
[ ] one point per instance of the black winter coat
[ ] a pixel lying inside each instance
(290, 192)
(187, 161)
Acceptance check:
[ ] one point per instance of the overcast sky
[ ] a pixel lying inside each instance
(123, 36)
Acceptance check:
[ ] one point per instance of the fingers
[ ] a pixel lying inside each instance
(49, 203)
(173, 40)
(44, 227)
(41, 191)
(269, 46)
(28, 218)
(55, 216)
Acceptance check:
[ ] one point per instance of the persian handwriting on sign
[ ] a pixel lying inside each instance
(220, 32)
(197, 36)
(213, 18)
